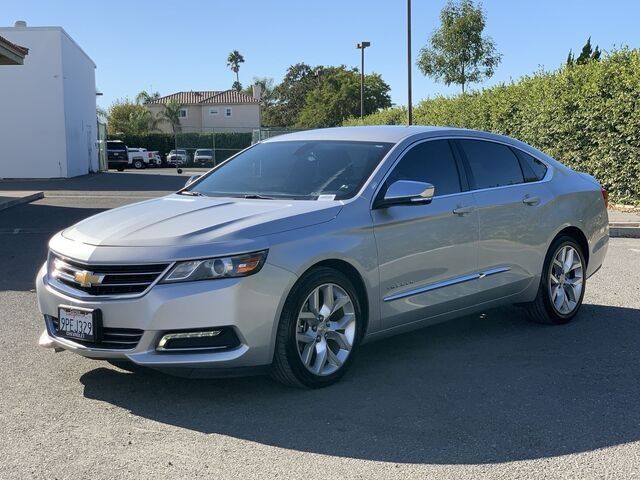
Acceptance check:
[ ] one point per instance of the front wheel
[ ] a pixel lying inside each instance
(319, 330)
(562, 284)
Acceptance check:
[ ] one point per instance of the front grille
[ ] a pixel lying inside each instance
(106, 279)
(111, 338)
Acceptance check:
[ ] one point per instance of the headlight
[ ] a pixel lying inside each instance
(220, 267)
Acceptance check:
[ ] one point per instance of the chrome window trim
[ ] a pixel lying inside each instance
(548, 176)
(80, 295)
(445, 283)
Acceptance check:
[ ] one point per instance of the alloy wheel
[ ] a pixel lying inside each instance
(325, 329)
(566, 280)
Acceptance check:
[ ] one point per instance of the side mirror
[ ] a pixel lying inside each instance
(407, 192)
(192, 179)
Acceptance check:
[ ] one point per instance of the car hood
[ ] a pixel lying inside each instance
(178, 220)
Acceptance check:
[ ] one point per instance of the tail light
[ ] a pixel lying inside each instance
(605, 196)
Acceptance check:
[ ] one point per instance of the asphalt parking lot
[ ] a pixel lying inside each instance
(478, 397)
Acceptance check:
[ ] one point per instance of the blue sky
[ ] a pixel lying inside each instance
(173, 46)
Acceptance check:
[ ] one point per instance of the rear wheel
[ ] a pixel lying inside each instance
(319, 330)
(562, 284)
(138, 164)
(121, 169)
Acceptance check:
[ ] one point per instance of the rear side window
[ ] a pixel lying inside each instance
(492, 164)
(430, 162)
(534, 170)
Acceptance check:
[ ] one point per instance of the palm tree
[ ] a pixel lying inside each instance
(171, 114)
(144, 97)
(233, 62)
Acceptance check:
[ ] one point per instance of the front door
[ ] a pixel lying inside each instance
(427, 252)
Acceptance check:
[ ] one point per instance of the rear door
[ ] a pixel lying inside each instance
(511, 200)
(427, 252)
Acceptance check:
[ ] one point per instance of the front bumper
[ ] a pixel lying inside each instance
(250, 305)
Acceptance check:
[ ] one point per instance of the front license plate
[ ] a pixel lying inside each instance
(77, 323)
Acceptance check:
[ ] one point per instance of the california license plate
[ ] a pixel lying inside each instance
(77, 323)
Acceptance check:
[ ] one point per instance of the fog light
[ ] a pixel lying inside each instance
(188, 340)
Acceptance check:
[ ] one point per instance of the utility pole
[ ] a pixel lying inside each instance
(362, 46)
(409, 103)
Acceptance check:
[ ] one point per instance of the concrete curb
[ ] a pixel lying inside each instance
(624, 229)
(20, 200)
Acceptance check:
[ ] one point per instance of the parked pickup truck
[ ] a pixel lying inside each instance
(141, 158)
(177, 157)
(117, 156)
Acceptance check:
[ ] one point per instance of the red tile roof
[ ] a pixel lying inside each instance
(206, 97)
(22, 51)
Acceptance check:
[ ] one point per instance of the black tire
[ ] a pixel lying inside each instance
(287, 367)
(121, 169)
(138, 164)
(542, 309)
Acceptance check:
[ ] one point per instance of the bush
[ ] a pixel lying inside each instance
(587, 116)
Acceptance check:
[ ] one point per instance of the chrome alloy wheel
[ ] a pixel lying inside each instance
(566, 280)
(325, 330)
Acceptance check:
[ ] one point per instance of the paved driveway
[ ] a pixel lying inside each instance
(491, 397)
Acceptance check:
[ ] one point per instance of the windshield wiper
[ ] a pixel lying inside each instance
(255, 196)
(192, 194)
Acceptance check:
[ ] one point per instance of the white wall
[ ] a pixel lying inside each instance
(47, 106)
(79, 109)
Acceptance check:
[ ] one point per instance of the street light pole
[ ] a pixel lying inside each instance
(362, 46)
(409, 102)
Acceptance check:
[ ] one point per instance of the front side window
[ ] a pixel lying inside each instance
(431, 162)
(302, 169)
(492, 164)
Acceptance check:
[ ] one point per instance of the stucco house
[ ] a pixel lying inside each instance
(11, 54)
(47, 105)
(204, 111)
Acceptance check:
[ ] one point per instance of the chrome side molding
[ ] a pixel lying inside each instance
(445, 283)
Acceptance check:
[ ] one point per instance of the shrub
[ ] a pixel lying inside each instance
(587, 116)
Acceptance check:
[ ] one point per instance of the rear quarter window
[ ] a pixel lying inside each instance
(534, 170)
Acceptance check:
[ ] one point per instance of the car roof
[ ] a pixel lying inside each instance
(378, 133)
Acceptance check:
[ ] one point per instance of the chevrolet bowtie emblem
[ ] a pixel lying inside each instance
(86, 279)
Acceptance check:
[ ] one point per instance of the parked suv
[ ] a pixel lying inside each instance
(290, 255)
(117, 156)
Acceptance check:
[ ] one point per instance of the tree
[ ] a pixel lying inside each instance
(337, 97)
(586, 55)
(171, 113)
(458, 52)
(129, 118)
(233, 62)
(290, 95)
(144, 97)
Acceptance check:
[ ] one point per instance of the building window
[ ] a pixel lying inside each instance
(214, 111)
(228, 112)
(183, 113)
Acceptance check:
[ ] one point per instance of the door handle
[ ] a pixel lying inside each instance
(463, 210)
(531, 200)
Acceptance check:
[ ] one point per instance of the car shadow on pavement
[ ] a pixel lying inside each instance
(473, 390)
(25, 231)
(147, 181)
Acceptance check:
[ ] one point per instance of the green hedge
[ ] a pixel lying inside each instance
(586, 116)
(226, 144)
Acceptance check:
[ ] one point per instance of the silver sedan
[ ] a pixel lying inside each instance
(291, 254)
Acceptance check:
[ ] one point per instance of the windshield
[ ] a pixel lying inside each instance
(203, 152)
(296, 169)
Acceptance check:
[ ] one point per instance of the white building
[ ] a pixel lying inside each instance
(47, 107)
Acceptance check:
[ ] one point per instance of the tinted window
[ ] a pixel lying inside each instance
(116, 146)
(303, 169)
(492, 164)
(430, 162)
(534, 170)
